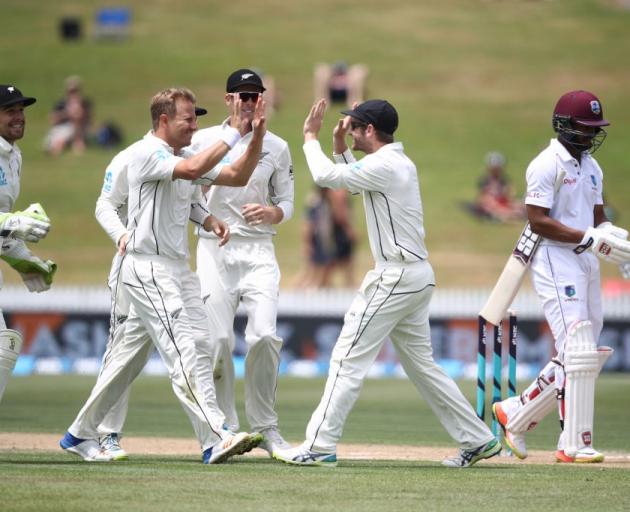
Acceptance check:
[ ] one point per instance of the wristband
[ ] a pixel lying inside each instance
(230, 136)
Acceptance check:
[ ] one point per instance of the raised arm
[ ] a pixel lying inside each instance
(237, 174)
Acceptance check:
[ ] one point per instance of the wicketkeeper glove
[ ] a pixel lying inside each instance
(30, 225)
(605, 246)
(36, 274)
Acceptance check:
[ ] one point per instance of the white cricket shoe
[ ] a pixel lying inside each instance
(583, 456)
(303, 456)
(88, 449)
(232, 444)
(515, 441)
(110, 443)
(467, 458)
(273, 441)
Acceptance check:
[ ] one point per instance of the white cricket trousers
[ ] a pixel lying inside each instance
(157, 306)
(114, 420)
(244, 271)
(393, 301)
(568, 285)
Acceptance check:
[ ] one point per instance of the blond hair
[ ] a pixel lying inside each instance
(164, 102)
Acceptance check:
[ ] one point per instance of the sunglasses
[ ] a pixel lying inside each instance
(246, 96)
(354, 125)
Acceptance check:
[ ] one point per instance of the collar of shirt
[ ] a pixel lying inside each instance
(392, 146)
(150, 136)
(563, 153)
(5, 147)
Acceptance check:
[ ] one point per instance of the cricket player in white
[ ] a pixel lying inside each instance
(154, 272)
(111, 213)
(565, 274)
(16, 228)
(393, 299)
(245, 270)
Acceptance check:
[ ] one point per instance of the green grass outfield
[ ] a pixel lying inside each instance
(466, 76)
(388, 412)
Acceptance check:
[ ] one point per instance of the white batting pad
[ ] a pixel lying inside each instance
(581, 364)
(10, 346)
(538, 400)
(537, 405)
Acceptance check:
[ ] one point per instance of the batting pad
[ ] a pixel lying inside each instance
(581, 368)
(533, 411)
(10, 346)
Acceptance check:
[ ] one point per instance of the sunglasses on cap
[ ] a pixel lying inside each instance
(246, 96)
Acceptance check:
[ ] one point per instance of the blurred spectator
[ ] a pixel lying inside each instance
(318, 240)
(343, 234)
(329, 239)
(70, 120)
(496, 199)
(340, 83)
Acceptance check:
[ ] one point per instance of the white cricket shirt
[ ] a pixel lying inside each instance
(580, 191)
(159, 207)
(388, 181)
(270, 184)
(10, 168)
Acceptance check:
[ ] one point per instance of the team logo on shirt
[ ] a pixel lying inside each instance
(3, 178)
(569, 290)
(162, 155)
(596, 107)
(107, 184)
(593, 180)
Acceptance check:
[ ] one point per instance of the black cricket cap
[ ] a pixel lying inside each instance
(10, 95)
(379, 113)
(200, 111)
(243, 77)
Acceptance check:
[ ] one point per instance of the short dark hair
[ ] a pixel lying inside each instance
(164, 102)
(381, 136)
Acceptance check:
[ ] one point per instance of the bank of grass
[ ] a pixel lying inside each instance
(466, 78)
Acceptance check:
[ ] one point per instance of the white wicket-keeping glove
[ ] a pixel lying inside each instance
(36, 273)
(605, 246)
(30, 225)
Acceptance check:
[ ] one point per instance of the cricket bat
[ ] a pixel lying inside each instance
(514, 272)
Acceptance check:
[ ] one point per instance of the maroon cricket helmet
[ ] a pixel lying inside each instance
(581, 107)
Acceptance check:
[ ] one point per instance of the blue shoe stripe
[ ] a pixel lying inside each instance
(68, 441)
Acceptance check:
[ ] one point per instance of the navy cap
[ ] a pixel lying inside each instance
(243, 77)
(200, 111)
(379, 113)
(11, 95)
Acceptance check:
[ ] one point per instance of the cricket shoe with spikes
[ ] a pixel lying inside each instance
(88, 449)
(110, 443)
(583, 456)
(514, 441)
(231, 444)
(303, 456)
(467, 458)
(273, 441)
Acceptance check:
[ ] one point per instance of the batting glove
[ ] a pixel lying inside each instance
(616, 231)
(30, 225)
(605, 246)
(36, 273)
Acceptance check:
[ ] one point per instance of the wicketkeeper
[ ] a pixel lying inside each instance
(19, 227)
